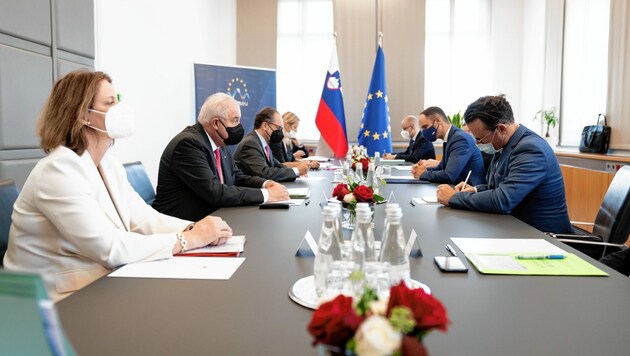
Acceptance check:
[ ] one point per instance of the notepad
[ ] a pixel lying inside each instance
(232, 248)
(392, 162)
(182, 268)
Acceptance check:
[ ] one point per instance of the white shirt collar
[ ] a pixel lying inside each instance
(214, 145)
(447, 134)
(262, 140)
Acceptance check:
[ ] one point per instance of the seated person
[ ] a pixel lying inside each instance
(419, 147)
(77, 217)
(460, 154)
(486, 152)
(290, 151)
(253, 155)
(198, 175)
(619, 260)
(524, 177)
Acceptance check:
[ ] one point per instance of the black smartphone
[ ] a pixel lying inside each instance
(450, 264)
(274, 206)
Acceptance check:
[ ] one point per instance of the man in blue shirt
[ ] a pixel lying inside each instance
(460, 155)
(524, 177)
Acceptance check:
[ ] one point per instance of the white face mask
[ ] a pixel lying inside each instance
(487, 148)
(405, 134)
(119, 121)
(292, 134)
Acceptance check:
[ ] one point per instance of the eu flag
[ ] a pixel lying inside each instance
(375, 131)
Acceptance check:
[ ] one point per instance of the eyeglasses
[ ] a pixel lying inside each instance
(271, 123)
(480, 140)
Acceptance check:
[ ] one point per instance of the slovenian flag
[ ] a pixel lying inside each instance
(331, 118)
(375, 131)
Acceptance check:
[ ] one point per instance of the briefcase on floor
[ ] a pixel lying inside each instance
(595, 138)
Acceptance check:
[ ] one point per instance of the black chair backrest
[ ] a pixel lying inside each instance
(8, 195)
(612, 222)
(139, 179)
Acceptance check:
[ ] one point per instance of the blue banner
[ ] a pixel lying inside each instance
(253, 88)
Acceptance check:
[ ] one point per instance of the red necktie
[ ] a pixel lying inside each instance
(268, 154)
(217, 157)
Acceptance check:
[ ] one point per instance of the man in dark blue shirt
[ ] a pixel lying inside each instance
(524, 177)
(460, 155)
(419, 147)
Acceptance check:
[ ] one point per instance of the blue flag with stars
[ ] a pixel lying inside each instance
(375, 131)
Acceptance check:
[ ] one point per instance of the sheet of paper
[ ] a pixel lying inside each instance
(182, 268)
(318, 158)
(299, 192)
(498, 246)
(310, 178)
(234, 244)
(392, 161)
(290, 202)
(402, 168)
(430, 199)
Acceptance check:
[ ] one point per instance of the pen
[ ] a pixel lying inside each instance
(466, 180)
(540, 257)
(307, 201)
(450, 249)
(412, 202)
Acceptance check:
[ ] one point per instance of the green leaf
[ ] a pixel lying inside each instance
(369, 295)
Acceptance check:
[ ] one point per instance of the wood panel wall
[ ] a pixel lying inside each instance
(585, 190)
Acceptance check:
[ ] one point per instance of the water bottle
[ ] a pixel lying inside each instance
(393, 248)
(328, 249)
(339, 226)
(370, 180)
(377, 159)
(363, 239)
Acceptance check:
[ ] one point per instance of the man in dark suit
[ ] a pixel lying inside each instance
(253, 155)
(198, 175)
(419, 147)
(460, 155)
(524, 178)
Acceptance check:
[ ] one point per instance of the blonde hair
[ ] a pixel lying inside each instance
(289, 119)
(216, 105)
(71, 97)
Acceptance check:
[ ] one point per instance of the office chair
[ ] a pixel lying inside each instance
(8, 194)
(139, 180)
(612, 223)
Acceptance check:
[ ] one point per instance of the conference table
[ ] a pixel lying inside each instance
(251, 313)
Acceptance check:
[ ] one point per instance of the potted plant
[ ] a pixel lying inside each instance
(457, 120)
(549, 118)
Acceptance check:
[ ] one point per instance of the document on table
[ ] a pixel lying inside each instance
(220, 268)
(501, 256)
(310, 178)
(402, 168)
(392, 162)
(233, 247)
(318, 158)
(430, 200)
(299, 193)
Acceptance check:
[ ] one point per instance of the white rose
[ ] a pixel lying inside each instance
(348, 198)
(379, 307)
(376, 337)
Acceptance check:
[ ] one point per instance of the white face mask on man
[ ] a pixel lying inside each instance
(119, 121)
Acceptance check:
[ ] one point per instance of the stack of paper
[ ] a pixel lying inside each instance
(524, 257)
(299, 193)
(182, 268)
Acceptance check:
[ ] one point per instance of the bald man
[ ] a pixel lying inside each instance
(419, 148)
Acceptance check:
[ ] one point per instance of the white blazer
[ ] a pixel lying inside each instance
(66, 227)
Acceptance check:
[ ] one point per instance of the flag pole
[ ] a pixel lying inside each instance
(380, 39)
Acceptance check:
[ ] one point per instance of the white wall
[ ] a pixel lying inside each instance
(148, 47)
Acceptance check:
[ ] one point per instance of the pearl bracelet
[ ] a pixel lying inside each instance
(182, 241)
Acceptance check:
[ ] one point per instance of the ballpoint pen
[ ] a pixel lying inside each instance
(466, 180)
(413, 203)
(450, 249)
(541, 257)
(307, 201)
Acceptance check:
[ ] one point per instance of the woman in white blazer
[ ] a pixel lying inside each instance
(77, 216)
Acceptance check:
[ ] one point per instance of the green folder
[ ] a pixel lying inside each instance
(572, 265)
(29, 324)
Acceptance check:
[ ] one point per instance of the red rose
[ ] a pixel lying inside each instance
(365, 162)
(340, 191)
(428, 312)
(412, 346)
(334, 322)
(364, 194)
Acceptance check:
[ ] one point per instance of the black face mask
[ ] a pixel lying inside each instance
(235, 134)
(276, 136)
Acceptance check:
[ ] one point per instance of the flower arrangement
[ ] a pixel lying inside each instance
(359, 157)
(373, 326)
(352, 193)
